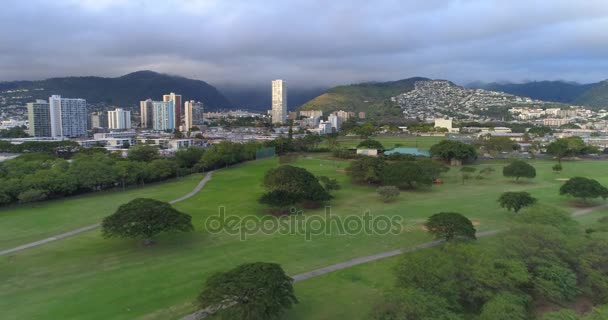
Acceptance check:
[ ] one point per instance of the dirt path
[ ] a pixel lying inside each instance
(94, 226)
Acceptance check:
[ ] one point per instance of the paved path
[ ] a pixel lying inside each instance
(582, 212)
(94, 226)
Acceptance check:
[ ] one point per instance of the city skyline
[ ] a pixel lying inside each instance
(340, 43)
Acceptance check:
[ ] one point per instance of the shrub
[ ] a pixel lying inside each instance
(32, 195)
(388, 193)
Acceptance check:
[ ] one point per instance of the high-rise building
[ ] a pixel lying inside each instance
(177, 106)
(146, 110)
(279, 101)
(335, 121)
(119, 119)
(68, 117)
(193, 114)
(164, 116)
(98, 119)
(39, 116)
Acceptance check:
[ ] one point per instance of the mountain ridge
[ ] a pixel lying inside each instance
(124, 91)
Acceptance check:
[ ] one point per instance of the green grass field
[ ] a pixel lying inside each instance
(88, 277)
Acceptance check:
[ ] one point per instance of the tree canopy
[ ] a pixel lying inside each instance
(145, 218)
(516, 200)
(449, 150)
(370, 144)
(450, 226)
(568, 147)
(518, 169)
(584, 188)
(366, 170)
(143, 152)
(251, 291)
(295, 184)
(406, 175)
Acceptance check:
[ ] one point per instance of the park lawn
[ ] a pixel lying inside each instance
(30, 222)
(389, 142)
(87, 277)
(351, 293)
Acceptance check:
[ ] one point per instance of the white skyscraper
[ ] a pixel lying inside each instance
(279, 101)
(119, 119)
(335, 121)
(164, 116)
(193, 114)
(68, 117)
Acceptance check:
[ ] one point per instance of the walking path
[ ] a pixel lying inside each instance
(201, 314)
(94, 226)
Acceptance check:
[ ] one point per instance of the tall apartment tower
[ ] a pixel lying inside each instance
(119, 119)
(177, 105)
(146, 110)
(193, 114)
(279, 101)
(39, 116)
(68, 117)
(164, 116)
(98, 119)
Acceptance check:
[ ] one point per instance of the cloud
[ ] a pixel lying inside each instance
(309, 43)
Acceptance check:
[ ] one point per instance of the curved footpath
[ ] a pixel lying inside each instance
(202, 314)
(94, 226)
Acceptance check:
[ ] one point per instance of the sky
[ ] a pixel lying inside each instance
(307, 43)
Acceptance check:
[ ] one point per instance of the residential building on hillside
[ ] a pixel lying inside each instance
(68, 117)
(164, 116)
(279, 101)
(39, 116)
(119, 119)
(146, 111)
(311, 113)
(177, 107)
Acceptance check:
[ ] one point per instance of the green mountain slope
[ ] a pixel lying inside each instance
(596, 96)
(125, 91)
(372, 98)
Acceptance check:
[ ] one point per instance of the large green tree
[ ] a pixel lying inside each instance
(519, 169)
(251, 291)
(584, 188)
(449, 150)
(295, 184)
(366, 170)
(144, 219)
(516, 200)
(406, 175)
(450, 226)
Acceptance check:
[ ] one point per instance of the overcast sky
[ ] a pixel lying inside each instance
(307, 43)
